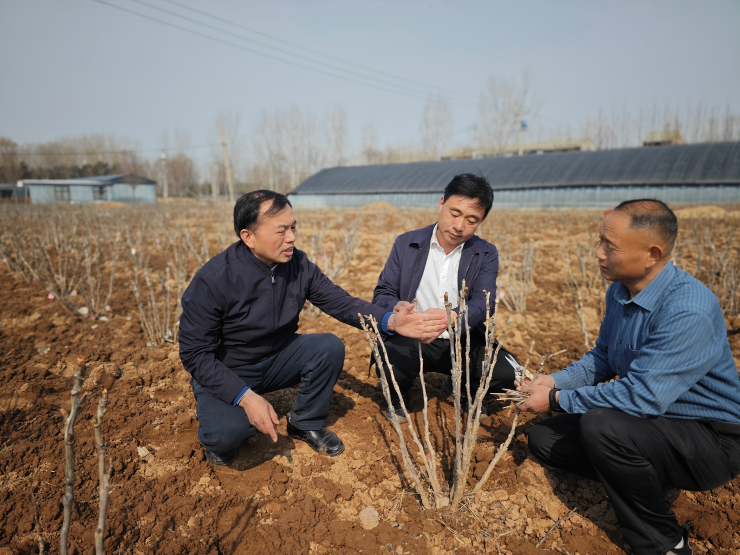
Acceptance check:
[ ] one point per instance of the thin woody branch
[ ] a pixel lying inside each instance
(103, 475)
(69, 453)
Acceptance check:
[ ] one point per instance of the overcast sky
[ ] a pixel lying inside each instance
(75, 67)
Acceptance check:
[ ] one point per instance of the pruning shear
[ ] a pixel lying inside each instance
(520, 373)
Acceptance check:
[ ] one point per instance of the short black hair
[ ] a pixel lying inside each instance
(653, 214)
(247, 208)
(471, 186)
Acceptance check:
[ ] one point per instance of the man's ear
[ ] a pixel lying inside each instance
(247, 238)
(655, 255)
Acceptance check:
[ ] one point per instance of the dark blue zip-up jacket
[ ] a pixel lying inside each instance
(401, 276)
(238, 310)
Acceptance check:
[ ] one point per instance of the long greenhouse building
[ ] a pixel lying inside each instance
(683, 174)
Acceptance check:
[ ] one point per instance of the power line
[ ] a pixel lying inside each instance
(110, 152)
(266, 55)
(281, 51)
(319, 53)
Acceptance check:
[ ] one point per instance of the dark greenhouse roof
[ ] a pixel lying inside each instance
(696, 164)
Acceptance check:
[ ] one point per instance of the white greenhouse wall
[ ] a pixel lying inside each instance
(552, 197)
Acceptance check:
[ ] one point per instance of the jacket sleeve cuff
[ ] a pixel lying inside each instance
(240, 395)
(384, 324)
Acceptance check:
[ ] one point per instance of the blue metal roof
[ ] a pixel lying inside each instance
(696, 164)
(119, 178)
(97, 180)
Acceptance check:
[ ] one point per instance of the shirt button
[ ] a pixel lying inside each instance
(620, 341)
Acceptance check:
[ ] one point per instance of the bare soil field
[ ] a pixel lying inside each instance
(284, 498)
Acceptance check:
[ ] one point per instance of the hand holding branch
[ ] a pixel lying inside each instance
(539, 397)
(260, 414)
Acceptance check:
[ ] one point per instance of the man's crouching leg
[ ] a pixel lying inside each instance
(315, 362)
(222, 428)
(639, 460)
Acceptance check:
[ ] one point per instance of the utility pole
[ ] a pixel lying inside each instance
(214, 182)
(165, 184)
(227, 165)
(522, 128)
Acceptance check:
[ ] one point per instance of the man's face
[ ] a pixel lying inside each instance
(458, 220)
(273, 239)
(623, 253)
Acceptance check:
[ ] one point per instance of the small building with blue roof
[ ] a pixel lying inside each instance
(104, 188)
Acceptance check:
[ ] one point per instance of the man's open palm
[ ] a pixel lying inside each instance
(425, 327)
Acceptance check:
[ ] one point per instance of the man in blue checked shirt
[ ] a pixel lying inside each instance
(672, 418)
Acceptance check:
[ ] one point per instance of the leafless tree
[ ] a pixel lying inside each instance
(436, 126)
(370, 150)
(501, 109)
(336, 132)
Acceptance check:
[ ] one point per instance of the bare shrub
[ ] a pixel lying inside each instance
(517, 272)
(433, 492)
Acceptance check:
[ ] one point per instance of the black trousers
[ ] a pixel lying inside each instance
(312, 361)
(403, 354)
(638, 461)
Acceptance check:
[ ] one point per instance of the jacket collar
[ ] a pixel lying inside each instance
(423, 236)
(246, 254)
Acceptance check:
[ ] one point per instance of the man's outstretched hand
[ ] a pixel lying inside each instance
(260, 413)
(425, 327)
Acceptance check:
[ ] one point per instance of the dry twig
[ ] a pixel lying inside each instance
(103, 475)
(69, 453)
(561, 519)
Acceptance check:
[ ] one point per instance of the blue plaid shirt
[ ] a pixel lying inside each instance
(669, 347)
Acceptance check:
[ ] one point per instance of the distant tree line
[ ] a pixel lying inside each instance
(291, 144)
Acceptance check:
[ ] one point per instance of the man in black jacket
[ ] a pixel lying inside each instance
(428, 263)
(238, 333)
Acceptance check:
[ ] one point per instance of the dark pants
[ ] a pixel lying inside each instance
(638, 461)
(314, 361)
(403, 354)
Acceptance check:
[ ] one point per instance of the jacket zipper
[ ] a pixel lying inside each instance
(272, 277)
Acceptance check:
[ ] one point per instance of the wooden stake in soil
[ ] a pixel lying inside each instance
(69, 453)
(103, 476)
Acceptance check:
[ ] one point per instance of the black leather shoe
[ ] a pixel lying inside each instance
(447, 388)
(685, 549)
(319, 440)
(224, 459)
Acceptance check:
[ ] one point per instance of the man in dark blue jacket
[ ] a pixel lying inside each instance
(427, 263)
(238, 333)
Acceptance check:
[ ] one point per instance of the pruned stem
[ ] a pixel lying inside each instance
(38, 522)
(373, 339)
(103, 475)
(69, 454)
(434, 481)
(501, 450)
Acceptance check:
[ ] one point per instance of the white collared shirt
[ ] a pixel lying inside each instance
(440, 277)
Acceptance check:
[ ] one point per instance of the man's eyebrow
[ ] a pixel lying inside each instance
(282, 226)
